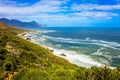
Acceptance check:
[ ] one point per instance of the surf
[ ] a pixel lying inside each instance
(75, 49)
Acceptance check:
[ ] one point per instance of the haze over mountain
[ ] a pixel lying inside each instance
(21, 24)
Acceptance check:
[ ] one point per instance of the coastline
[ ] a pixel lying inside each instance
(53, 51)
(60, 53)
(22, 35)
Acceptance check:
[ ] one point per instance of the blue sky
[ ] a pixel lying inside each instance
(55, 13)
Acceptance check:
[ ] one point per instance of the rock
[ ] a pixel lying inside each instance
(28, 39)
(62, 54)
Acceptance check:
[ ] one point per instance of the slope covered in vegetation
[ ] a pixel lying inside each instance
(23, 60)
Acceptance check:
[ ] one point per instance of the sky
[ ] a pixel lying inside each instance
(64, 13)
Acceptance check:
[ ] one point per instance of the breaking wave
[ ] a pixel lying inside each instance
(112, 45)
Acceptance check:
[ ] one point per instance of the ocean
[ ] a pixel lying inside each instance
(83, 46)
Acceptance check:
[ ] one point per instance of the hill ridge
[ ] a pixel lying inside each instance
(20, 24)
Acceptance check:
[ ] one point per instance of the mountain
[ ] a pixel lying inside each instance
(23, 60)
(20, 24)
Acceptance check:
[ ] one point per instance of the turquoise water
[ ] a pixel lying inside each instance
(87, 46)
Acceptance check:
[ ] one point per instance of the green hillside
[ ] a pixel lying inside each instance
(23, 60)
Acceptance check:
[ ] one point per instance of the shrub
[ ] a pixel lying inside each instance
(8, 66)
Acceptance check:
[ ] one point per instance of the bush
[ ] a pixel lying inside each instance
(118, 68)
(8, 66)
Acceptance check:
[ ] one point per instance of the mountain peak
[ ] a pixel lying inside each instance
(20, 24)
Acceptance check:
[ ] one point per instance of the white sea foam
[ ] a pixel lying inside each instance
(112, 45)
(74, 47)
(87, 38)
(116, 56)
(45, 31)
(78, 59)
(98, 52)
(58, 45)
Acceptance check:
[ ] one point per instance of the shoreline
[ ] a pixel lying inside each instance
(60, 53)
(22, 35)
(52, 51)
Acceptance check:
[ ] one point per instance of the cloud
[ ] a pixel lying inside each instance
(55, 10)
(95, 10)
(12, 3)
(87, 7)
(97, 14)
(42, 6)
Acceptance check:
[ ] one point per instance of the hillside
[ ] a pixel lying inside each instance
(20, 24)
(23, 60)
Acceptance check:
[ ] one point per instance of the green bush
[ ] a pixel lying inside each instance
(8, 66)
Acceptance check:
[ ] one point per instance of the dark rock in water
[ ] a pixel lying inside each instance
(52, 50)
(62, 54)
(28, 39)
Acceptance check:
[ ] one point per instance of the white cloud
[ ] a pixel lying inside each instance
(12, 3)
(95, 10)
(97, 14)
(43, 8)
(87, 7)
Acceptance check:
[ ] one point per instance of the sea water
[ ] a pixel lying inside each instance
(83, 46)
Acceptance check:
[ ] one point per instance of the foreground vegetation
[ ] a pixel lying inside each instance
(23, 60)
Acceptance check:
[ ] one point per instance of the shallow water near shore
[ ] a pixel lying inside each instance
(82, 46)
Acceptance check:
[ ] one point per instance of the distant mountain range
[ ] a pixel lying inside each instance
(20, 24)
